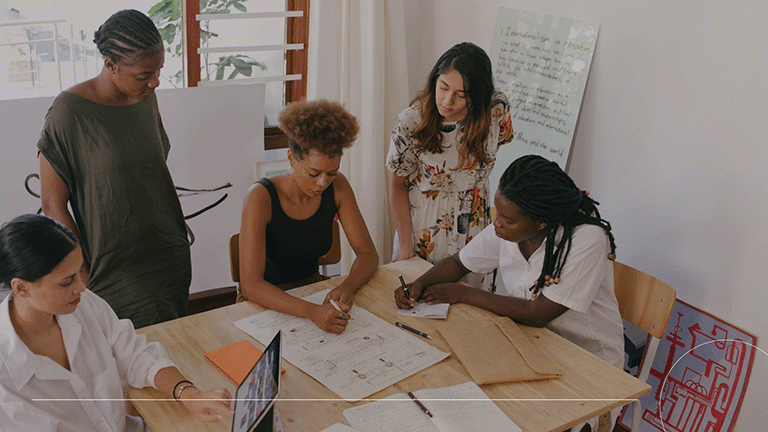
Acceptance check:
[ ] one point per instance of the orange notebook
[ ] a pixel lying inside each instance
(235, 360)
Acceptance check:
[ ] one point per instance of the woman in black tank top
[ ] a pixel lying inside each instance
(287, 218)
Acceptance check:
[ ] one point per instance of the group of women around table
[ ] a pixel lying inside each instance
(64, 350)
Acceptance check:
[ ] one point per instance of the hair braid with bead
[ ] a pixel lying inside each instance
(544, 192)
(127, 34)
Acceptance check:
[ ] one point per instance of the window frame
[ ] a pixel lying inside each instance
(297, 31)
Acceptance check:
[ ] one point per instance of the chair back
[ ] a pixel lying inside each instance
(647, 303)
(234, 257)
(332, 257)
(334, 254)
(643, 300)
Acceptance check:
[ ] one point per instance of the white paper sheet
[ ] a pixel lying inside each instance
(370, 355)
(338, 427)
(424, 310)
(468, 409)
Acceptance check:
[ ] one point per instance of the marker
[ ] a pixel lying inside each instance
(423, 408)
(335, 306)
(413, 330)
(405, 288)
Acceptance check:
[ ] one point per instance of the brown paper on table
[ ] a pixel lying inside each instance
(496, 350)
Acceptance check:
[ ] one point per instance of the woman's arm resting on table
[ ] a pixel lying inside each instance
(256, 214)
(366, 259)
(400, 207)
(206, 405)
(535, 313)
(440, 285)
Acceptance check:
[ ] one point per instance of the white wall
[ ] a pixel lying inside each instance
(671, 140)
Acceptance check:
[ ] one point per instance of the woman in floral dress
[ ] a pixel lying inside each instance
(441, 155)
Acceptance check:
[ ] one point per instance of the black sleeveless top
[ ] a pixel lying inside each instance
(294, 246)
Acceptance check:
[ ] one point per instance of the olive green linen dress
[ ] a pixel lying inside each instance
(112, 160)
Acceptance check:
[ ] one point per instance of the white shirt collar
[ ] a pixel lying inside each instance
(23, 363)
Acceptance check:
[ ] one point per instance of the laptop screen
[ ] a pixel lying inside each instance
(256, 395)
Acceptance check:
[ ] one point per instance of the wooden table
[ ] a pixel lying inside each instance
(588, 387)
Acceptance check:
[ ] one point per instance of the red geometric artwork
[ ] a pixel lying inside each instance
(699, 375)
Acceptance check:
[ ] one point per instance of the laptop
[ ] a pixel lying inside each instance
(256, 395)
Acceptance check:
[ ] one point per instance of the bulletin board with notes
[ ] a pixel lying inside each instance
(541, 62)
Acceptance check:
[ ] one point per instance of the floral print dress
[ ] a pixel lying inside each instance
(448, 206)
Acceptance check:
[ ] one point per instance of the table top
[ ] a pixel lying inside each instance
(588, 386)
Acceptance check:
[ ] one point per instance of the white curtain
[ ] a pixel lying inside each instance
(357, 56)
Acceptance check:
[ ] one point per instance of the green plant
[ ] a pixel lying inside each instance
(242, 63)
(167, 17)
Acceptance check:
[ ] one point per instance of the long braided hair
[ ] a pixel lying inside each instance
(547, 194)
(127, 35)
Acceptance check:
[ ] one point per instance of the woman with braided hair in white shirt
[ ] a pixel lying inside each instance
(63, 351)
(554, 257)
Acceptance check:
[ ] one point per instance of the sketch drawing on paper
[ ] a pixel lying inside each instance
(369, 356)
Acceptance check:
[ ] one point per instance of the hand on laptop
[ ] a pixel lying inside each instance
(207, 406)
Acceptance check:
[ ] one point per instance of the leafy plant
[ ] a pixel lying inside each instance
(167, 17)
(242, 64)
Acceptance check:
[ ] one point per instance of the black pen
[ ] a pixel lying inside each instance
(423, 408)
(405, 288)
(412, 330)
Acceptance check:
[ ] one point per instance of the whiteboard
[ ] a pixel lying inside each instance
(541, 62)
(216, 136)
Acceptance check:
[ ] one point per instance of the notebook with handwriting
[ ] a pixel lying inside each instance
(235, 360)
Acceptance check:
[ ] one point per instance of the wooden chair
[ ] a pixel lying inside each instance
(334, 254)
(647, 303)
(332, 257)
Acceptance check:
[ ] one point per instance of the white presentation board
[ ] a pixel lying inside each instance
(216, 135)
(541, 62)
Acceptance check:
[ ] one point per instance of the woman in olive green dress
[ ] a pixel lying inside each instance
(103, 152)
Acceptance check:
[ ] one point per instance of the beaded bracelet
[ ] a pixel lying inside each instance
(177, 385)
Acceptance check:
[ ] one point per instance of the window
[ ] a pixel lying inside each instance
(47, 45)
(226, 51)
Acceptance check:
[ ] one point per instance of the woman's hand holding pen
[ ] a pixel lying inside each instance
(404, 301)
(343, 298)
(328, 318)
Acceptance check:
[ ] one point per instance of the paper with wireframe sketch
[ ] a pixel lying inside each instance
(370, 355)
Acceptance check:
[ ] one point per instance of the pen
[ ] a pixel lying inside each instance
(423, 408)
(413, 330)
(405, 288)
